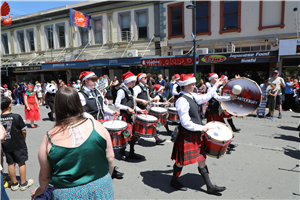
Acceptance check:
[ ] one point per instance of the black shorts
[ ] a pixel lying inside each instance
(279, 99)
(18, 156)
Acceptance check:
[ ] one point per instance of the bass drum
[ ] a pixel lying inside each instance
(246, 102)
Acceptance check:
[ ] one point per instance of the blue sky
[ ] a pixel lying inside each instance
(18, 8)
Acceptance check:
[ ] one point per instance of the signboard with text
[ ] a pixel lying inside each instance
(27, 69)
(61, 65)
(239, 58)
(169, 61)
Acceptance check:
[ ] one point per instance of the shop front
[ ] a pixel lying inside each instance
(257, 66)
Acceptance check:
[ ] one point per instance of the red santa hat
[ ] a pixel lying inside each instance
(212, 75)
(86, 74)
(140, 76)
(128, 77)
(223, 77)
(186, 79)
(5, 86)
(177, 77)
(158, 87)
(30, 86)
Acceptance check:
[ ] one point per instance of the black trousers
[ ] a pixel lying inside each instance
(114, 95)
(289, 101)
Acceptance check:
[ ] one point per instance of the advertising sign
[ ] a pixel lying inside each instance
(289, 47)
(79, 19)
(27, 69)
(169, 61)
(61, 65)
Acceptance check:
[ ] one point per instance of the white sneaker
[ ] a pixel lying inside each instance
(295, 95)
(29, 183)
(15, 187)
(290, 110)
(18, 105)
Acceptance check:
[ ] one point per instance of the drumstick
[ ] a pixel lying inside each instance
(115, 116)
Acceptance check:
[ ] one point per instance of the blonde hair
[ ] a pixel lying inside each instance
(296, 80)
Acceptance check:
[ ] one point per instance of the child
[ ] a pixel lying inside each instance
(14, 147)
(272, 97)
(296, 87)
(39, 93)
(31, 106)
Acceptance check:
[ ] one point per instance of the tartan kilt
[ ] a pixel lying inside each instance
(188, 149)
(127, 118)
(214, 116)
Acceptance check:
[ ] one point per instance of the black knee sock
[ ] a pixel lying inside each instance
(230, 122)
(167, 128)
(204, 173)
(176, 172)
(132, 143)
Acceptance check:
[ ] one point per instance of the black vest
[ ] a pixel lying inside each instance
(194, 113)
(94, 105)
(178, 89)
(214, 104)
(128, 100)
(162, 99)
(143, 95)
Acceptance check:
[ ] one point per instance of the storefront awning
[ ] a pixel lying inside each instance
(239, 58)
(169, 60)
(116, 61)
(61, 65)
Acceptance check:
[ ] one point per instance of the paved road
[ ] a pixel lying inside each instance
(265, 165)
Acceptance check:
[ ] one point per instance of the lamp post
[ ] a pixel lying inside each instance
(296, 21)
(193, 6)
(51, 38)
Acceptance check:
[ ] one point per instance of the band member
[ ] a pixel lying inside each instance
(141, 94)
(125, 101)
(161, 100)
(93, 103)
(187, 148)
(176, 88)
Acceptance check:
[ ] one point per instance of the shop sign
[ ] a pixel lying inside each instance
(62, 65)
(169, 61)
(27, 69)
(239, 58)
(119, 61)
(289, 47)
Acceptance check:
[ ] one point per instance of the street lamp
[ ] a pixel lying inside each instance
(296, 21)
(193, 6)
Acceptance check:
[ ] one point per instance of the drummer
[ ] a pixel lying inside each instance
(125, 101)
(187, 148)
(92, 101)
(215, 112)
(160, 99)
(176, 88)
(141, 94)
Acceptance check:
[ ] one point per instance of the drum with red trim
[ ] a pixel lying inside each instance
(217, 139)
(248, 99)
(173, 115)
(118, 131)
(145, 126)
(160, 113)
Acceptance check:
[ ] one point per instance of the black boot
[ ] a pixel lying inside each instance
(174, 182)
(168, 130)
(132, 155)
(116, 174)
(123, 154)
(211, 189)
(230, 122)
(50, 115)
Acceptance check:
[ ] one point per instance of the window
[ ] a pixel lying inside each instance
(142, 25)
(230, 16)
(255, 48)
(176, 20)
(202, 18)
(109, 27)
(224, 50)
(271, 14)
(245, 48)
(50, 38)
(84, 36)
(61, 36)
(5, 43)
(98, 31)
(31, 40)
(264, 47)
(125, 27)
(21, 41)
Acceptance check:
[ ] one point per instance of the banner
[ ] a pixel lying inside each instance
(169, 61)
(79, 19)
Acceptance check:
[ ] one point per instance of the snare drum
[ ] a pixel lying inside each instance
(217, 139)
(173, 115)
(117, 130)
(145, 126)
(160, 113)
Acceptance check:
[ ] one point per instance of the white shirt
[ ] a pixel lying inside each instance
(120, 96)
(106, 109)
(174, 90)
(219, 98)
(137, 89)
(183, 107)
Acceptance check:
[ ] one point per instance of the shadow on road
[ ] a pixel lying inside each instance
(291, 170)
(287, 137)
(296, 116)
(118, 157)
(289, 128)
(292, 152)
(160, 179)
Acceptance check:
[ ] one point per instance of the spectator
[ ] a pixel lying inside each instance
(31, 106)
(39, 93)
(272, 99)
(43, 85)
(167, 87)
(60, 83)
(54, 83)
(265, 87)
(89, 174)
(149, 78)
(202, 87)
(289, 99)
(162, 82)
(172, 82)
(114, 84)
(279, 82)
(3, 135)
(295, 88)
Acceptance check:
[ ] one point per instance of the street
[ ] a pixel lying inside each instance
(265, 165)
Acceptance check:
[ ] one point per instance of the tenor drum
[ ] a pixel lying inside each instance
(145, 125)
(247, 101)
(118, 131)
(173, 115)
(160, 113)
(217, 139)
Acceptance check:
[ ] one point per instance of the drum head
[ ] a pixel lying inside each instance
(219, 131)
(158, 109)
(115, 125)
(147, 118)
(247, 101)
(172, 109)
